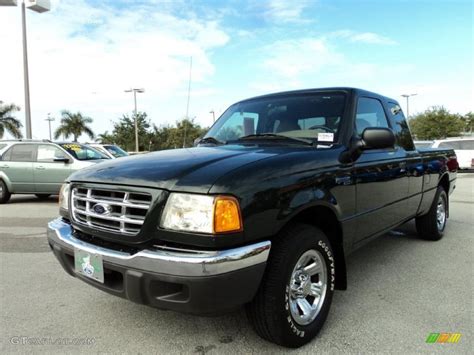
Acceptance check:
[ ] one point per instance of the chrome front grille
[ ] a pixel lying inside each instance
(110, 210)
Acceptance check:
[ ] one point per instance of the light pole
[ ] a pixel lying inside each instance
(50, 119)
(37, 6)
(407, 96)
(213, 115)
(135, 113)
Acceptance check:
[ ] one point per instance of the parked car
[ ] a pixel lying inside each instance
(40, 167)
(423, 144)
(463, 147)
(111, 150)
(262, 213)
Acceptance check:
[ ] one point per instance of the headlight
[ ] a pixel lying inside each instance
(64, 197)
(202, 214)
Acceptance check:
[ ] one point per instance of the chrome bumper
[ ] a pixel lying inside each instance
(171, 262)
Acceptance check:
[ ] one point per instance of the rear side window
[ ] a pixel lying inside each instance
(467, 145)
(401, 129)
(21, 152)
(370, 113)
(450, 144)
(47, 153)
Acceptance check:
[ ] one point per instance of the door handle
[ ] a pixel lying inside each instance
(40, 167)
(5, 166)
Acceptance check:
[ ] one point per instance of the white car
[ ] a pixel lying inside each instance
(463, 147)
(111, 150)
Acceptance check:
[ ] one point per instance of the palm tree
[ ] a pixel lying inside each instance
(74, 124)
(8, 122)
(106, 138)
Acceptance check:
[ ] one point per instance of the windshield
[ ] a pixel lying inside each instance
(311, 116)
(116, 151)
(82, 152)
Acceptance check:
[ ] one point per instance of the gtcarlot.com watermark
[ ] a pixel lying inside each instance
(27, 340)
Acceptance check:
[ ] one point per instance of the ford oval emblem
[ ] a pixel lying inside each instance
(102, 208)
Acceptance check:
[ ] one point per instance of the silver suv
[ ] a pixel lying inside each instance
(40, 167)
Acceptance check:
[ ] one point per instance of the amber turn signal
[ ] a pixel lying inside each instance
(227, 216)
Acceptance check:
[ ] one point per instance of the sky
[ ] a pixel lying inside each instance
(83, 54)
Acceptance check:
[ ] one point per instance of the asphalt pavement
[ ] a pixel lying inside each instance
(400, 290)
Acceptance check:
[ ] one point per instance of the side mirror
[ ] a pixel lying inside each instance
(196, 141)
(372, 138)
(61, 160)
(378, 138)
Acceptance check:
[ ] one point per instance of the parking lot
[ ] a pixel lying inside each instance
(401, 289)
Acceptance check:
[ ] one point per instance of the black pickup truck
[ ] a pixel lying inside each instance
(262, 212)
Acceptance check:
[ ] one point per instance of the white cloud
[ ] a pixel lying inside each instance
(363, 37)
(285, 11)
(82, 57)
(322, 62)
(292, 58)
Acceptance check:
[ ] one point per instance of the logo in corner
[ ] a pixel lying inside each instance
(452, 338)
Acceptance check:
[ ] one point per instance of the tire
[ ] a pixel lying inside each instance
(431, 226)
(43, 196)
(275, 313)
(4, 193)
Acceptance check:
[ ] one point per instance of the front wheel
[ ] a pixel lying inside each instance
(431, 226)
(294, 298)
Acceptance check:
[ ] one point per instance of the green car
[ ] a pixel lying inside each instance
(40, 167)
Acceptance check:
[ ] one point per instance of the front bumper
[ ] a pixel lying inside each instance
(201, 282)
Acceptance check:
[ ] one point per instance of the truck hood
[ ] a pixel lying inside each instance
(192, 170)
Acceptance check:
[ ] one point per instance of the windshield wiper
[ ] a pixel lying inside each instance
(275, 136)
(211, 140)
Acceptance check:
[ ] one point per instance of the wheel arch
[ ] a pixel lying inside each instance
(444, 183)
(326, 219)
(6, 180)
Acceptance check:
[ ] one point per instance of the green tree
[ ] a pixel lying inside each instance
(436, 123)
(8, 122)
(106, 138)
(124, 132)
(468, 122)
(74, 124)
(181, 135)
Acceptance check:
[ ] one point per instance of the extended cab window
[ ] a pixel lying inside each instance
(47, 153)
(401, 130)
(21, 152)
(370, 113)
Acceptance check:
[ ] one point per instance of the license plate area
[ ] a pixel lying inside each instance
(89, 265)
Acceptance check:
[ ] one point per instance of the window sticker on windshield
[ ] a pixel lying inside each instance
(325, 137)
(74, 147)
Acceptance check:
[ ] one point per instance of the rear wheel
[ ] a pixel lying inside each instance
(4, 193)
(294, 298)
(431, 226)
(43, 196)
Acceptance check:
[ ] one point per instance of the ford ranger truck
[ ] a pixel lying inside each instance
(262, 212)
